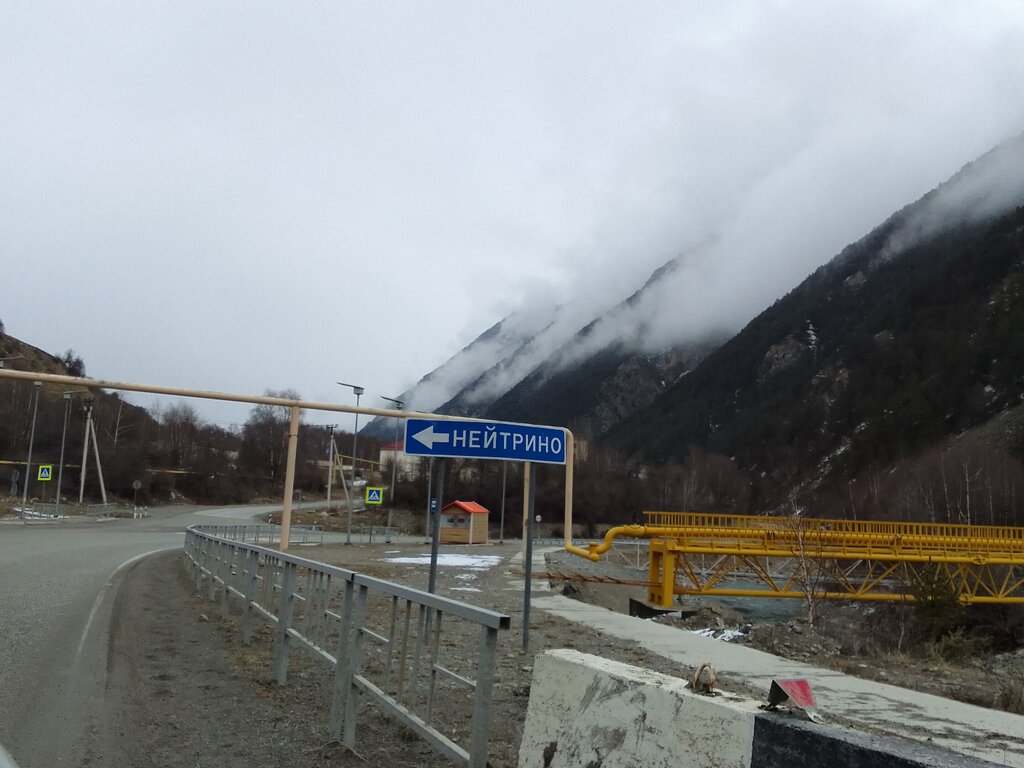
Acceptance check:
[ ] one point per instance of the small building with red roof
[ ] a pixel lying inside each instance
(464, 522)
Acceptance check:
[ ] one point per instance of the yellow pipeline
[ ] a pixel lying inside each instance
(819, 543)
(971, 550)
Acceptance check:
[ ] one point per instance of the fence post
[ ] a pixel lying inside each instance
(480, 728)
(229, 566)
(214, 569)
(251, 582)
(353, 667)
(200, 560)
(284, 623)
(340, 666)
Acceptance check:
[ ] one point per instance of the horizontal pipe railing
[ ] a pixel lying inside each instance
(270, 533)
(326, 610)
(952, 533)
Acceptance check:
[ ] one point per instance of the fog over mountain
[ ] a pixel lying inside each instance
(778, 234)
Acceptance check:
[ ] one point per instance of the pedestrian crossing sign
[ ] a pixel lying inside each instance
(374, 495)
(45, 472)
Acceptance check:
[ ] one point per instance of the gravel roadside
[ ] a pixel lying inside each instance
(183, 692)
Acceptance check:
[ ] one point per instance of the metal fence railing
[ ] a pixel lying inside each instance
(264, 533)
(388, 644)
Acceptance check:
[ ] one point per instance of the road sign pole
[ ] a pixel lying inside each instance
(430, 497)
(436, 503)
(531, 492)
(504, 475)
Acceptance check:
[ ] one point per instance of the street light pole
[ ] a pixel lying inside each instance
(31, 442)
(355, 438)
(399, 404)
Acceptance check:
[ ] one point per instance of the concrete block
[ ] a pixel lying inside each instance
(589, 712)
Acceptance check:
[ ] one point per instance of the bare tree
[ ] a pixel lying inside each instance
(265, 436)
(804, 539)
(180, 426)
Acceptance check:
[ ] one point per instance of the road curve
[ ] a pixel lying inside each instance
(57, 588)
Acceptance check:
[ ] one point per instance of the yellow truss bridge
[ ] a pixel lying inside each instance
(753, 556)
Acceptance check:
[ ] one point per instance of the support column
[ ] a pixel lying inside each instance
(668, 578)
(653, 572)
(289, 479)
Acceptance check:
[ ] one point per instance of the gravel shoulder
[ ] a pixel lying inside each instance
(182, 691)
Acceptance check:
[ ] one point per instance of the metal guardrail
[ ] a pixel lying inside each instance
(383, 640)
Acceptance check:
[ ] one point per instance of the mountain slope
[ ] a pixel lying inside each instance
(561, 365)
(597, 377)
(906, 337)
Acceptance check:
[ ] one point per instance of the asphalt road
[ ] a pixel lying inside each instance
(57, 585)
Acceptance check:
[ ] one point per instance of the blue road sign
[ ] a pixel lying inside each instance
(374, 495)
(485, 440)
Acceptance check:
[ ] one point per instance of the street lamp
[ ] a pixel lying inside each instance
(355, 438)
(399, 404)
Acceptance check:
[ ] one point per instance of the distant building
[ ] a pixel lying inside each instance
(464, 522)
(408, 467)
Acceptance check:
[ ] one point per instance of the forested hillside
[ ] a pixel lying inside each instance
(875, 360)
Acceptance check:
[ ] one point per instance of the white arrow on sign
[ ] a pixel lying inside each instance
(428, 437)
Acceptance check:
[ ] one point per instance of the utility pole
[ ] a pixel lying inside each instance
(358, 391)
(330, 463)
(37, 385)
(87, 407)
(63, 438)
(399, 404)
(90, 433)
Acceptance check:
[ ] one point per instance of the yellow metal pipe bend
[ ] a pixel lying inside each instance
(594, 549)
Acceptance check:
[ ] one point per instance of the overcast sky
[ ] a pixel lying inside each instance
(243, 195)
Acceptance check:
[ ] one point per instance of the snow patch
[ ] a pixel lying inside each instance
(725, 635)
(476, 562)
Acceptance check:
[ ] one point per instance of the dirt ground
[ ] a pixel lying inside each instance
(184, 692)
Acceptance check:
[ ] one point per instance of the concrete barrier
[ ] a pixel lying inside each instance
(589, 712)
